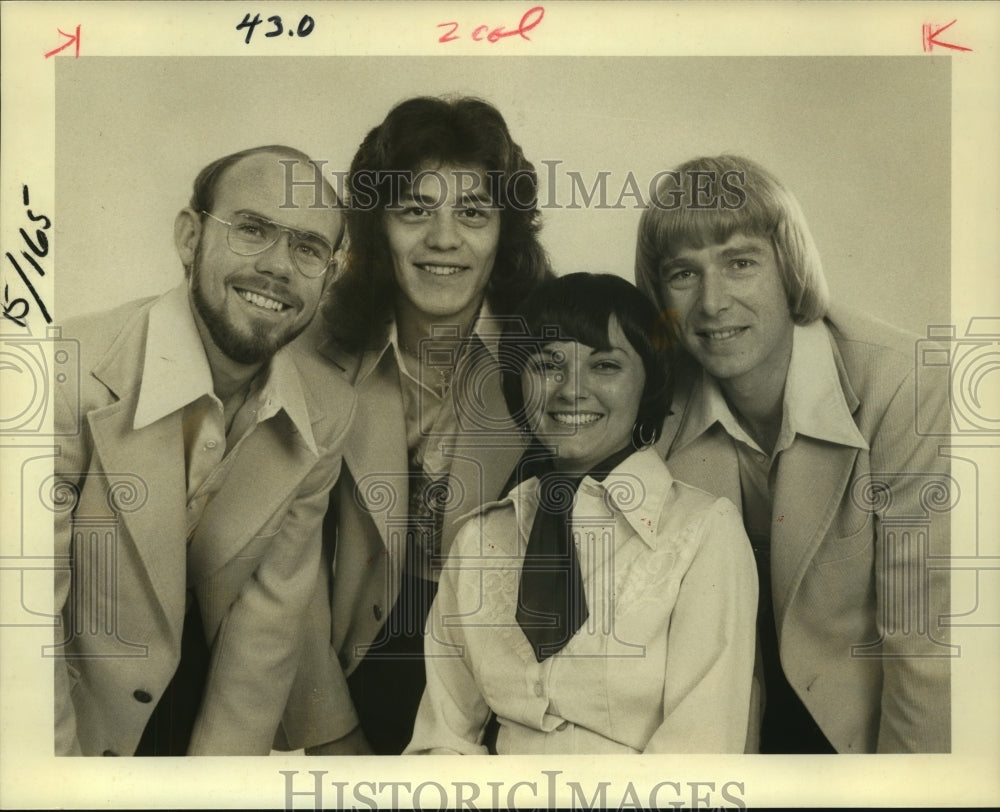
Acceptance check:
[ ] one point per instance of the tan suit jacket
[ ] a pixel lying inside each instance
(364, 539)
(120, 529)
(859, 611)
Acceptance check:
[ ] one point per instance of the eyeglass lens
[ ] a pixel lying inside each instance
(251, 235)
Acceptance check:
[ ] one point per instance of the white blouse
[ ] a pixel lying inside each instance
(664, 663)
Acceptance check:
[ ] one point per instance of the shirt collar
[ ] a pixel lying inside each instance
(282, 391)
(486, 327)
(637, 488)
(176, 373)
(814, 402)
(175, 369)
(815, 405)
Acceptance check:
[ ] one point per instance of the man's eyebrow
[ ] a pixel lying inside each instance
(435, 201)
(298, 231)
(670, 263)
(410, 196)
(741, 249)
(474, 199)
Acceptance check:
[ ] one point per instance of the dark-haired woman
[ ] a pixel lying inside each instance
(602, 606)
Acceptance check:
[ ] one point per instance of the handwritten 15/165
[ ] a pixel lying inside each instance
(17, 309)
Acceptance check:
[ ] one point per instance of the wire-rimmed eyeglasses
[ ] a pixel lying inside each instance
(249, 235)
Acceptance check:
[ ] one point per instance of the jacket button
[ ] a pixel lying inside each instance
(142, 696)
(109, 753)
(377, 611)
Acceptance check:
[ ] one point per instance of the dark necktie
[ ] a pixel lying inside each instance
(551, 601)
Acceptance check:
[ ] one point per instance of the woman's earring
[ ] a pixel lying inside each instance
(639, 433)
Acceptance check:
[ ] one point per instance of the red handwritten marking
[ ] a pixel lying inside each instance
(930, 37)
(448, 36)
(781, 518)
(73, 39)
(529, 21)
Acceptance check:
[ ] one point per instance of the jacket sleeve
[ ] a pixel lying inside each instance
(913, 599)
(257, 647)
(319, 708)
(711, 644)
(69, 464)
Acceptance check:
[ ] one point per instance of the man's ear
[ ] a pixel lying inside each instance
(187, 234)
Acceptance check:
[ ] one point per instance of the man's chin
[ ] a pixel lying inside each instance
(258, 347)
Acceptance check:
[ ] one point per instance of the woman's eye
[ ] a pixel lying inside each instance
(607, 366)
(542, 367)
(743, 264)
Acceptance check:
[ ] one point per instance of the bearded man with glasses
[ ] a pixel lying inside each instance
(189, 505)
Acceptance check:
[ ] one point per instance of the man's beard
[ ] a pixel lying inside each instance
(254, 348)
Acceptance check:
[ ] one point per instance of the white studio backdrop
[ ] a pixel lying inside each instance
(864, 142)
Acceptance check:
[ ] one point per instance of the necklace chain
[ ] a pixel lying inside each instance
(444, 372)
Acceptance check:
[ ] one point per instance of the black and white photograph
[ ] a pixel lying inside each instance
(606, 391)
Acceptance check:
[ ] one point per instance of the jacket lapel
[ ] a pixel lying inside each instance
(375, 449)
(486, 452)
(154, 456)
(811, 481)
(812, 478)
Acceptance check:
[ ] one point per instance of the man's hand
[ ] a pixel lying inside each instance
(353, 744)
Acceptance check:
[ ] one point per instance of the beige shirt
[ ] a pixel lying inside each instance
(176, 376)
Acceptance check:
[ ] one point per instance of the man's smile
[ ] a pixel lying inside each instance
(264, 301)
(439, 269)
(721, 333)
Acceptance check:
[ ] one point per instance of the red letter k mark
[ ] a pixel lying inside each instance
(930, 38)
